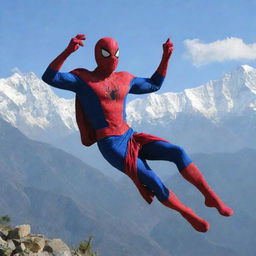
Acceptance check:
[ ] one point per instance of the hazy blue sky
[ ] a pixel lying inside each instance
(33, 32)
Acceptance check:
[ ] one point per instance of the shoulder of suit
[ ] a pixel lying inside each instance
(125, 74)
(79, 71)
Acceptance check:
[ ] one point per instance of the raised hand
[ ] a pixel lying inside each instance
(167, 52)
(168, 48)
(76, 42)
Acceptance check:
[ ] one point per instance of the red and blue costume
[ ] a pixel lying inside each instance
(100, 114)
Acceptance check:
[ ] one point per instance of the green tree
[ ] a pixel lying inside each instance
(5, 221)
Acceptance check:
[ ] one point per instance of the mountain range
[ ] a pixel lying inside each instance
(219, 116)
(62, 197)
(45, 183)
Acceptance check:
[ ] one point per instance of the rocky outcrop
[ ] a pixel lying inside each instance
(19, 232)
(19, 241)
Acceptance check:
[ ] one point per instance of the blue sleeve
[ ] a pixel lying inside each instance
(141, 85)
(66, 81)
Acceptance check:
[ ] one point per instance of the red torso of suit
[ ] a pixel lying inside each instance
(101, 104)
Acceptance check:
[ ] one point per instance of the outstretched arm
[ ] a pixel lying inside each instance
(66, 81)
(145, 85)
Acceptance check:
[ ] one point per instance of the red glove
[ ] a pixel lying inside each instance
(73, 45)
(167, 49)
(167, 52)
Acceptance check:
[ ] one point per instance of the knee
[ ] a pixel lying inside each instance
(178, 153)
(181, 158)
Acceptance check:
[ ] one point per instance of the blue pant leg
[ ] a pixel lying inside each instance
(161, 150)
(114, 149)
(151, 180)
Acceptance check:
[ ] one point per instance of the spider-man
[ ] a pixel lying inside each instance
(100, 114)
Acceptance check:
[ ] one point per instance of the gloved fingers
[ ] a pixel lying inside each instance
(81, 37)
(81, 43)
(77, 41)
(168, 45)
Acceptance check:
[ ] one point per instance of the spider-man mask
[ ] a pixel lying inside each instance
(106, 55)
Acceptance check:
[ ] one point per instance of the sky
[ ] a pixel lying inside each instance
(210, 38)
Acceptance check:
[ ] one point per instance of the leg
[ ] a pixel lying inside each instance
(192, 174)
(151, 180)
(160, 150)
(167, 197)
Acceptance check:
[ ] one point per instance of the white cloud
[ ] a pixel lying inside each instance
(231, 48)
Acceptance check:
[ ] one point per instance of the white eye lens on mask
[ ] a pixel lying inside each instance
(105, 53)
(117, 53)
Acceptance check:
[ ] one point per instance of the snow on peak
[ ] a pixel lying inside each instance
(244, 77)
(234, 93)
(246, 68)
(31, 105)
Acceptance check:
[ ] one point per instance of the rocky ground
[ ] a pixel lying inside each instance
(17, 241)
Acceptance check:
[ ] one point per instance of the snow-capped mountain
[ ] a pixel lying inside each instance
(234, 94)
(217, 116)
(31, 105)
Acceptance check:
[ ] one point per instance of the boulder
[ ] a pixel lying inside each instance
(34, 244)
(19, 231)
(4, 232)
(37, 235)
(16, 242)
(20, 248)
(57, 247)
(3, 247)
(6, 251)
(11, 244)
(3, 243)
